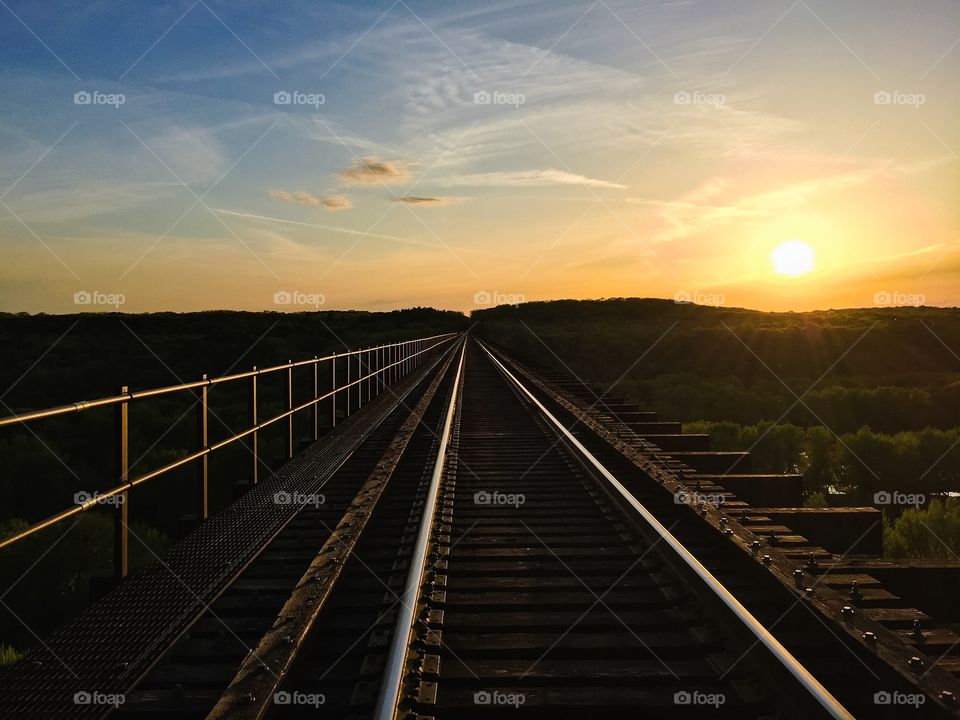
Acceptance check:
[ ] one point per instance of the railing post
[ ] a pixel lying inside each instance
(315, 409)
(379, 370)
(203, 464)
(121, 513)
(346, 384)
(369, 362)
(359, 392)
(252, 411)
(289, 389)
(333, 391)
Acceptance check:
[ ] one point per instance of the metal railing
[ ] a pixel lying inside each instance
(372, 369)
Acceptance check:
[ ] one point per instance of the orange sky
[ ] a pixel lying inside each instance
(474, 155)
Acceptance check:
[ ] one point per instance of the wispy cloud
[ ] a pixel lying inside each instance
(343, 230)
(429, 201)
(691, 214)
(333, 203)
(532, 178)
(371, 171)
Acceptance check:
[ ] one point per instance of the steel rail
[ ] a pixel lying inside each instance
(251, 693)
(391, 684)
(100, 496)
(22, 418)
(806, 679)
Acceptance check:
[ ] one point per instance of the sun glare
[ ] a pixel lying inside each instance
(793, 258)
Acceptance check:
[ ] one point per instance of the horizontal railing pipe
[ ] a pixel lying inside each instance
(22, 418)
(256, 427)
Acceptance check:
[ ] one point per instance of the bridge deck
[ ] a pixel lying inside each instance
(541, 587)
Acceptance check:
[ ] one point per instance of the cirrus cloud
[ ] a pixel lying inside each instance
(533, 178)
(333, 203)
(432, 201)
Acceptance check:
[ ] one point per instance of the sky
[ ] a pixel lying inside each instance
(297, 155)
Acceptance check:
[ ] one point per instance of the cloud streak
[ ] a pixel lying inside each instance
(333, 203)
(533, 178)
(344, 230)
(371, 171)
(429, 201)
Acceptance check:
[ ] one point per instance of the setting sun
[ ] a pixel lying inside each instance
(793, 258)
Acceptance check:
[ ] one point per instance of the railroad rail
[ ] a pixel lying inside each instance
(487, 539)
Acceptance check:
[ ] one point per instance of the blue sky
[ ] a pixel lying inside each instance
(655, 148)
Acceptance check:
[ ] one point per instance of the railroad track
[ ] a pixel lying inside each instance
(489, 552)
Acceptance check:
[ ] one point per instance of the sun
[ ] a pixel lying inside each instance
(793, 258)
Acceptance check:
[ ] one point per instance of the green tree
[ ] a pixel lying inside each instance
(932, 533)
(818, 463)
